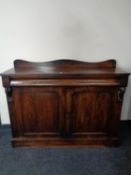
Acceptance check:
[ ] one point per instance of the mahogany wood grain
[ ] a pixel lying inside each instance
(65, 102)
(58, 64)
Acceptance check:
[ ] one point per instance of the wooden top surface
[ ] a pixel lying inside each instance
(61, 68)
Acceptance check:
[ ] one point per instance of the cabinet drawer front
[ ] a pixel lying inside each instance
(38, 111)
(68, 82)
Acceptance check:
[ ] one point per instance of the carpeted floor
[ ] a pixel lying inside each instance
(65, 161)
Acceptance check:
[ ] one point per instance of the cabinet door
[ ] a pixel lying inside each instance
(38, 111)
(93, 108)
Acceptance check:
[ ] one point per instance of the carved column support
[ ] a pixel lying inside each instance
(9, 93)
(120, 94)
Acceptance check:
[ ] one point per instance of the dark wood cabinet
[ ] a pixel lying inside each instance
(65, 102)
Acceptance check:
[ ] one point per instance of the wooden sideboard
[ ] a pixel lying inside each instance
(65, 102)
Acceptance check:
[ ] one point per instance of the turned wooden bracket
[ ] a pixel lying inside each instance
(9, 93)
(120, 94)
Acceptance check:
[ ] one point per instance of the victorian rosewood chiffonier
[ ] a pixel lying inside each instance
(65, 102)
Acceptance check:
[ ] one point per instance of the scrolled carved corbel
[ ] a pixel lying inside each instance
(9, 93)
(120, 94)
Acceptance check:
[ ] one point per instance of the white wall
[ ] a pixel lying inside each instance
(40, 30)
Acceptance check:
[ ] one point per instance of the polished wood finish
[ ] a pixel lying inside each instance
(65, 102)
